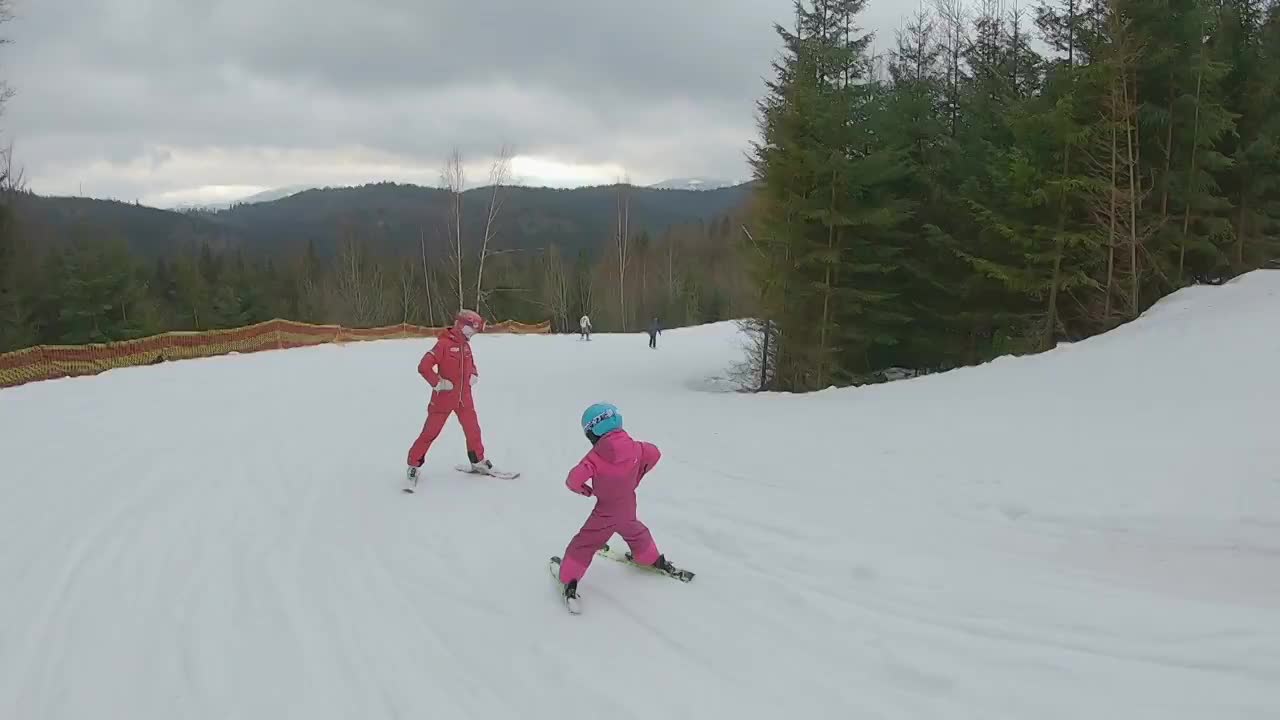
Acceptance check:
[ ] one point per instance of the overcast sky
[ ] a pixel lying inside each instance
(176, 101)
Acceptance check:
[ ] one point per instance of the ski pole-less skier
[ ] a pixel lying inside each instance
(450, 369)
(610, 473)
(584, 327)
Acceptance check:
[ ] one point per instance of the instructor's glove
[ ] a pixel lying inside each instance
(444, 385)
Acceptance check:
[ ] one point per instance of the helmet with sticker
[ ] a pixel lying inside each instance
(601, 419)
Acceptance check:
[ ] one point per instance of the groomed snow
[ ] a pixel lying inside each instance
(1089, 533)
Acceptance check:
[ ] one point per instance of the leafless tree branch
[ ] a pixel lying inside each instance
(499, 175)
(455, 180)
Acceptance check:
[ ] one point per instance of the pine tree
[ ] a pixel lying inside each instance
(917, 124)
(1261, 244)
(93, 290)
(1204, 224)
(17, 290)
(191, 294)
(830, 204)
(1247, 43)
(1074, 29)
(783, 164)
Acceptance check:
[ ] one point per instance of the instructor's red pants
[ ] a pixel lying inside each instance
(435, 423)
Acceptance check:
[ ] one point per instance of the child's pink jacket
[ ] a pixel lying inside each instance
(614, 467)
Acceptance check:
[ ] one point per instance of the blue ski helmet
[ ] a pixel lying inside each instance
(600, 419)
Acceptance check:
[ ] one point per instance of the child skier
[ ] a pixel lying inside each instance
(614, 467)
(450, 369)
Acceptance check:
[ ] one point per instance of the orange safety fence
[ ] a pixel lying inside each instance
(46, 362)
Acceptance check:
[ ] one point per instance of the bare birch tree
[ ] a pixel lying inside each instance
(624, 228)
(6, 15)
(953, 16)
(408, 292)
(586, 286)
(499, 174)
(361, 284)
(1195, 156)
(556, 286)
(426, 275)
(1115, 164)
(455, 180)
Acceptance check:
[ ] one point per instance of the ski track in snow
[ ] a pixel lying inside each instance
(1087, 533)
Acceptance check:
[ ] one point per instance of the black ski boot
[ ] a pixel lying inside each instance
(660, 564)
(571, 600)
(664, 566)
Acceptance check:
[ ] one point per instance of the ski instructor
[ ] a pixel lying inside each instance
(450, 369)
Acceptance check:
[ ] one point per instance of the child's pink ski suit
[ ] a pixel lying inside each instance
(614, 468)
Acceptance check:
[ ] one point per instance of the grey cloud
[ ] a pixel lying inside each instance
(664, 87)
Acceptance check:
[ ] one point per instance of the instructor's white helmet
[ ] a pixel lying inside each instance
(468, 322)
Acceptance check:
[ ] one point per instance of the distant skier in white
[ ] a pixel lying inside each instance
(584, 326)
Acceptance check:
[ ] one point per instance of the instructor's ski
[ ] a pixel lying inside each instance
(491, 472)
(625, 558)
(572, 603)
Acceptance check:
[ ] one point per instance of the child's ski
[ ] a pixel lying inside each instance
(572, 602)
(491, 472)
(670, 571)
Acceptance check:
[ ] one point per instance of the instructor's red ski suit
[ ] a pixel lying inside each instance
(451, 360)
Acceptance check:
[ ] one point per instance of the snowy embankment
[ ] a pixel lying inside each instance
(1089, 533)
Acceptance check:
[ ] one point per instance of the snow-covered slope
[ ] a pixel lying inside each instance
(258, 197)
(1090, 533)
(693, 183)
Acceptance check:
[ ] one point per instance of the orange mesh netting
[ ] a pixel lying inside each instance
(46, 362)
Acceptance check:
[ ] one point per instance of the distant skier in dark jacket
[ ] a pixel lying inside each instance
(655, 329)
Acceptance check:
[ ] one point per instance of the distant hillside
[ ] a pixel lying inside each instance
(529, 218)
(55, 221)
(391, 215)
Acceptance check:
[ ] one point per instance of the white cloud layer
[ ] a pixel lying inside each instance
(182, 101)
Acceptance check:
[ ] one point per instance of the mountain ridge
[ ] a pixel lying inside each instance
(397, 215)
(283, 191)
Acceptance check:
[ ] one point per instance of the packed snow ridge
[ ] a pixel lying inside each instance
(1089, 533)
